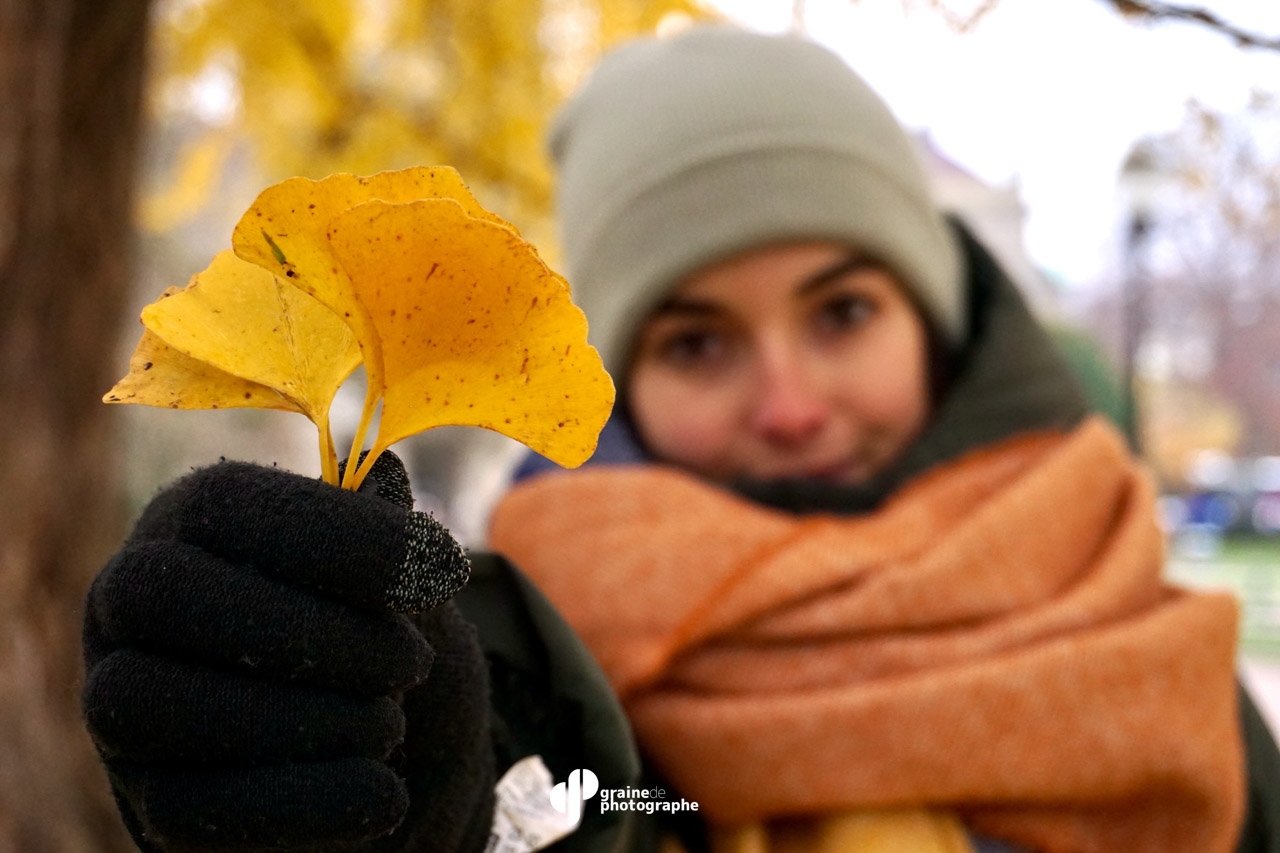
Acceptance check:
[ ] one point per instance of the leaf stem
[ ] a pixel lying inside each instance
(371, 397)
(328, 454)
(366, 465)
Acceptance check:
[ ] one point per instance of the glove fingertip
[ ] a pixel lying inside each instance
(387, 478)
(435, 567)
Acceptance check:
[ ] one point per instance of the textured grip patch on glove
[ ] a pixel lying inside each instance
(435, 567)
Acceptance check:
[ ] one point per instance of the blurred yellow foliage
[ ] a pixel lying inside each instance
(368, 85)
(182, 197)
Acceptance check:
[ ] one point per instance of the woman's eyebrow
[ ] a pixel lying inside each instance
(682, 306)
(838, 270)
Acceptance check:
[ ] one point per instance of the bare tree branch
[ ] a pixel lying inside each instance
(1152, 10)
(1158, 11)
(962, 22)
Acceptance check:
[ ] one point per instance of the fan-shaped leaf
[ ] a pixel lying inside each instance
(245, 321)
(475, 329)
(160, 375)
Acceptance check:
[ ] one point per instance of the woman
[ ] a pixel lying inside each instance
(854, 557)
(956, 626)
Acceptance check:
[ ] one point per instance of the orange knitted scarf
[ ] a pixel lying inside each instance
(995, 640)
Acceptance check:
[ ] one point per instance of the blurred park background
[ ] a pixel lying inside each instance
(1122, 157)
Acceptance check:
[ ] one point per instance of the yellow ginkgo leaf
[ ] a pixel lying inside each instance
(245, 321)
(285, 231)
(242, 319)
(475, 329)
(160, 375)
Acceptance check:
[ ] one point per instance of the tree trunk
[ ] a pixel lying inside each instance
(71, 84)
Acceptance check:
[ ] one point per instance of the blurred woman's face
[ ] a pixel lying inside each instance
(796, 361)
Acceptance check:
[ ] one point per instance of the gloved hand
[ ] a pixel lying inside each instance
(253, 681)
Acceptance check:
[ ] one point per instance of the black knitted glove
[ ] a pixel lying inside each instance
(252, 682)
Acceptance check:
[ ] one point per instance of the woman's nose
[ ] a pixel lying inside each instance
(790, 406)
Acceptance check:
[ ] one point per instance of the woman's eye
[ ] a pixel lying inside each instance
(691, 348)
(844, 312)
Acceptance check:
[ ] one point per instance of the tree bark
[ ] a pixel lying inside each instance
(71, 94)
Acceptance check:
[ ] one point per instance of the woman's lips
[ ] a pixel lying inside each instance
(844, 473)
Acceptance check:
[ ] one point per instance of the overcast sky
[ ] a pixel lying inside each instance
(1051, 93)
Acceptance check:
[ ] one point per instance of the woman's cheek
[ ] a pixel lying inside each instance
(692, 430)
(701, 442)
(893, 386)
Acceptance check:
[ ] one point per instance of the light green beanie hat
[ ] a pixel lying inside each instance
(681, 151)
